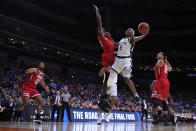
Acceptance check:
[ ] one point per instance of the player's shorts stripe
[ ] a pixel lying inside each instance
(36, 95)
(114, 70)
(158, 97)
(124, 68)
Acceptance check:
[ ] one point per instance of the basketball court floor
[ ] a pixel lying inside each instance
(92, 126)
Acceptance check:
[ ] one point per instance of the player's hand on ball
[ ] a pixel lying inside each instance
(95, 7)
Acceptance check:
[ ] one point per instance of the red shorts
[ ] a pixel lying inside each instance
(29, 92)
(108, 59)
(161, 89)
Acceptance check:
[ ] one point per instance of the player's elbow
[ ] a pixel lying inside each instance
(27, 71)
(169, 69)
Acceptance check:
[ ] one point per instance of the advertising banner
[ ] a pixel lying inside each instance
(82, 115)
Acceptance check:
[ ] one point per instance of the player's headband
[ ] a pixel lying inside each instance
(130, 29)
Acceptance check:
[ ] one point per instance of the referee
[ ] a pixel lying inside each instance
(144, 110)
(66, 100)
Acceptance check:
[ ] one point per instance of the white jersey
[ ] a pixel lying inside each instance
(125, 48)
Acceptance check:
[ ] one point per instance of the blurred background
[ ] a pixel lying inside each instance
(63, 34)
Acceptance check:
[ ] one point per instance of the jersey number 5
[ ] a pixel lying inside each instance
(121, 47)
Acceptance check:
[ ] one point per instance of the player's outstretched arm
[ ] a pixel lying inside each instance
(169, 67)
(43, 84)
(99, 22)
(31, 71)
(138, 38)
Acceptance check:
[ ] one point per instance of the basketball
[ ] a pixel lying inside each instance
(143, 27)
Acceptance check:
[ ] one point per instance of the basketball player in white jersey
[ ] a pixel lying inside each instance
(123, 61)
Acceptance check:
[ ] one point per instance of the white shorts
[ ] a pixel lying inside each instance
(123, 65)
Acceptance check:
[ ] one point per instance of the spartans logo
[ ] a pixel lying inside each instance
(41, 113)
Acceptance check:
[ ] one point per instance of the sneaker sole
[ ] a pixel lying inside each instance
(37, 121)
(107, 121)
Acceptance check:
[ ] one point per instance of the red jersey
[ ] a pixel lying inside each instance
(108, 48)
(162, 85)
(33, 80)
(161, 72)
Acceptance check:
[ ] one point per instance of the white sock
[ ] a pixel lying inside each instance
(107, 114)
(136, 95)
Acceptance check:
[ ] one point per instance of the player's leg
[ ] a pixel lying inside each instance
(171, 112)
(113, 93)
(105, 98)
(40, 105)
(164, 95)
(24, 103)
(105, 88)
(156, 111)
(100, 116)
(126, 72)
(165, 112)
(26, 100)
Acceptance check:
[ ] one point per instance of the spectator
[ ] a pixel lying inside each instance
(9, 109)
(56, 104)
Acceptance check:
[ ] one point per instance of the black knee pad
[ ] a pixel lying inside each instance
(155, 102)
(165, 106)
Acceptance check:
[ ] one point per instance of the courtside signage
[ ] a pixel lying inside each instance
(92, 115)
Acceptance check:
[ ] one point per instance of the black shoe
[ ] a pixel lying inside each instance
(138, 101)
(174, 123)
(165, 120)
(16, 116)
(166, 123)
(38, 119)
(155, 121)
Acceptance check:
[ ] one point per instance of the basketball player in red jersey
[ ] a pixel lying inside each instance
(171, 109)
(28, 91)
(108, 58)
(161, 88)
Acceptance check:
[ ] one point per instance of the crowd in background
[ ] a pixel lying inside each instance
(85, 89)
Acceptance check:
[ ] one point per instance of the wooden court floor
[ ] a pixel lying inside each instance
(92, 126)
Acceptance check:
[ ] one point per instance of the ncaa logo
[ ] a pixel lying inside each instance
(41, 113)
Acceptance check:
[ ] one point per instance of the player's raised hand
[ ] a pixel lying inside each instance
(165, 60)
(95, 7)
